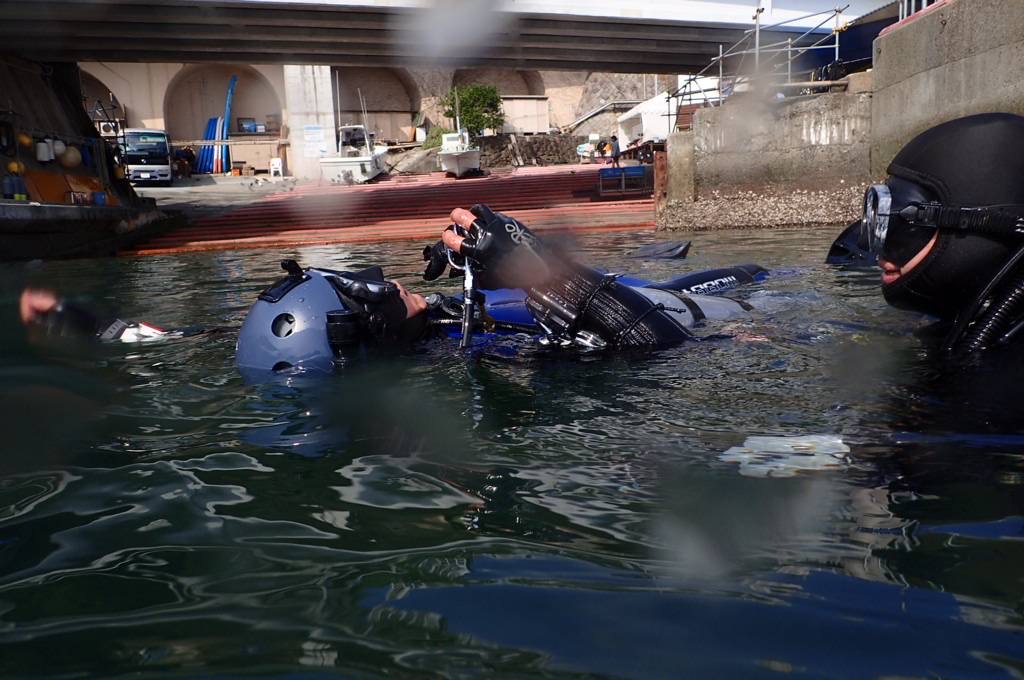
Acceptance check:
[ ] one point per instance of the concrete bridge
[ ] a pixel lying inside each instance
(638, 36)
(305, 66)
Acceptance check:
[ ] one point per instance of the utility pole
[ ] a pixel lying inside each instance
(757, 38)
(721, 73)
(789, 60)
(839, 11)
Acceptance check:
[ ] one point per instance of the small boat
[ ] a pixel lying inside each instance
(358, 159)
(457, 157)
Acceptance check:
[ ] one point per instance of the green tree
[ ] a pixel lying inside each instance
(479, 107)
(433, 139)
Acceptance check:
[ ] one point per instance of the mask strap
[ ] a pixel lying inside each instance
(994, 219)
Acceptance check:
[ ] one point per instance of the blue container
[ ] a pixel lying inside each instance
(99, 198)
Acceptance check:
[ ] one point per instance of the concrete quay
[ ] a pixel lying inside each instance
(557, 198)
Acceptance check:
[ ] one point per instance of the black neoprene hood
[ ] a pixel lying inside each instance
(977, 160)
(969, 162)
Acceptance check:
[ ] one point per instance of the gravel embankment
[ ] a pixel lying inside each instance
(764, 208)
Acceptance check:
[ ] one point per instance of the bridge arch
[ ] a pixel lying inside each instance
(197, 93)
(510, 83)
(391, 95)
(99, 101)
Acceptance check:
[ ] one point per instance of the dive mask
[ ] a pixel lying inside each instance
(899, 219)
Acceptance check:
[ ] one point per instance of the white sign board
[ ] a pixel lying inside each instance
(313, 144)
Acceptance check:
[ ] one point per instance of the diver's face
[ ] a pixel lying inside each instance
(892, 272)
(900, 246)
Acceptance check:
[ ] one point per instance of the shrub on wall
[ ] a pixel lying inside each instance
(479, 107)
(434, 137)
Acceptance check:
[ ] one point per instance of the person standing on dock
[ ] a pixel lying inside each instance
(616, 152)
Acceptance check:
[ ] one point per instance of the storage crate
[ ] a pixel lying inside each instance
(633, 179)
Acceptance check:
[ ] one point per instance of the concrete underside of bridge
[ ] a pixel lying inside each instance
(283, 33)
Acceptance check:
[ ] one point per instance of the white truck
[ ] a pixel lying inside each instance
(147, 156)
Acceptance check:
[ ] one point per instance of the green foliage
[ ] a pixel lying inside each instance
(433, 139)
(479, 107)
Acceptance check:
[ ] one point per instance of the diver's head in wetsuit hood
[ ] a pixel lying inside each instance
(311, 318)
(949, 215)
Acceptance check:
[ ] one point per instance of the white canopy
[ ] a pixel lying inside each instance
(651, 119)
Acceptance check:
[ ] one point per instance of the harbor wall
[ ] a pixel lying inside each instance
(951, 60)
(501, 150)
(812, 140)
(682, 177)
(763, 161)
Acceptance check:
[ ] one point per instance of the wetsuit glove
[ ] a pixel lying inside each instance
(508, 254)
(436, 257)
(71, 320)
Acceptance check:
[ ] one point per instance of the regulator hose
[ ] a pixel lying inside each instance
(498, 325)
(996, 319)
(964, 320)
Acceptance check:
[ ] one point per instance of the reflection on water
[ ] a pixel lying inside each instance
(508, 513)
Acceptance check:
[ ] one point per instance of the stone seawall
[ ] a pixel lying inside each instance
(500, 151)
(759, 162)
(809, 141)
(765, 207)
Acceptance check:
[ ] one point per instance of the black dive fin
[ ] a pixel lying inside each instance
(666, 250)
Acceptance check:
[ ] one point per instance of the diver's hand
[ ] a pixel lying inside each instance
(415, 304)
(43, 309)
(35, 304)
(436, 257)
(509, 255)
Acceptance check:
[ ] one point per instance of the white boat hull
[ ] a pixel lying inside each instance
(353, 169)
(459, 163)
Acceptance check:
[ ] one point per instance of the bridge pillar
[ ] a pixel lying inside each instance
(309, 100)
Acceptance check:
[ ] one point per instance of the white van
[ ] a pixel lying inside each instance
(148, 156)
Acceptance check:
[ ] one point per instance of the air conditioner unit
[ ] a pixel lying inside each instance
(110, 128)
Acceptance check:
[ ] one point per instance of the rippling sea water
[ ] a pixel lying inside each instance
(505, 512)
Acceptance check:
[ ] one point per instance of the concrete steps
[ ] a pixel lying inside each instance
(413, 207)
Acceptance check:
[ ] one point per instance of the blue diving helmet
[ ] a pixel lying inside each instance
(313, 317)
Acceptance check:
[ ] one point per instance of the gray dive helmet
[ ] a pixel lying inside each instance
(307, 319)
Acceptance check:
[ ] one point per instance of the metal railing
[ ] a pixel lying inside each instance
(750, 45)
(908, 7)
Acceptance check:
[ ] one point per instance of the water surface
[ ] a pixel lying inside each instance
(504, 512)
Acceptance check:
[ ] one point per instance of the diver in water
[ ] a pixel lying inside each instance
(947, 229)
(316, 319)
